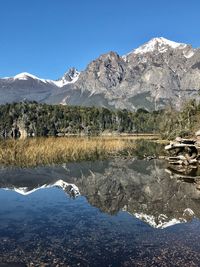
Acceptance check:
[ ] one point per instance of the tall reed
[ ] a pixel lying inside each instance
(45, 151)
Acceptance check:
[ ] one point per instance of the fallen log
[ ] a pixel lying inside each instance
(185, 151)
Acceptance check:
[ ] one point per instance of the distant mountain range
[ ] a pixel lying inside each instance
(156, 74)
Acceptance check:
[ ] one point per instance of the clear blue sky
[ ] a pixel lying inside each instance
(46, 37)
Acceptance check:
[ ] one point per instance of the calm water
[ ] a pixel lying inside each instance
(112, 213)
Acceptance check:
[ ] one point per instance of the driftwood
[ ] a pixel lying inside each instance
(184, 151)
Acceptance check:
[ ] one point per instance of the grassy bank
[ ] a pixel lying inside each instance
(45, 151)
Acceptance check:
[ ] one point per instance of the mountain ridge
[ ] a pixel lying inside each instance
(158, 73)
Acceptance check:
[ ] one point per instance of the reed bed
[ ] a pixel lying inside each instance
(46, 151)
(32, 152)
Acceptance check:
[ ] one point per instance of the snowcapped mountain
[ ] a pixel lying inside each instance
(158, 73)
(160, 45)
(69, 77)
(25, 86)
(25, 76)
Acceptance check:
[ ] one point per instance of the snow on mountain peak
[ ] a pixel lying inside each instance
(25, 76)
(71, 76)
(73, 73)
(160, 44)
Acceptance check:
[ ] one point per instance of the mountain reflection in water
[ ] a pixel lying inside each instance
(42, 224)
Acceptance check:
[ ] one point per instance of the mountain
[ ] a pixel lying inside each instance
(25, 86)
(158, 73)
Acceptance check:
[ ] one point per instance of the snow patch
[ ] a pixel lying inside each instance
(188, 54)
(64, 101)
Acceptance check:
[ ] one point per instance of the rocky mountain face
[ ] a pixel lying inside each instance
(156, 74)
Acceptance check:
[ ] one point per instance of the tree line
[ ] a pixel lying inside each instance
(36, 119)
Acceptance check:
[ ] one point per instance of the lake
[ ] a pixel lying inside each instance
(117, 212)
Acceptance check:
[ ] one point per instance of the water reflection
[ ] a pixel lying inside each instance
(149, 190)
(93, 221)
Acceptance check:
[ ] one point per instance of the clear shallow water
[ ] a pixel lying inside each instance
(99, 227)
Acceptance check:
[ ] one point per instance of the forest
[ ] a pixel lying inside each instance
(36, 119)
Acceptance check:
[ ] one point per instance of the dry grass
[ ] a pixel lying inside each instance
(45, 151)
